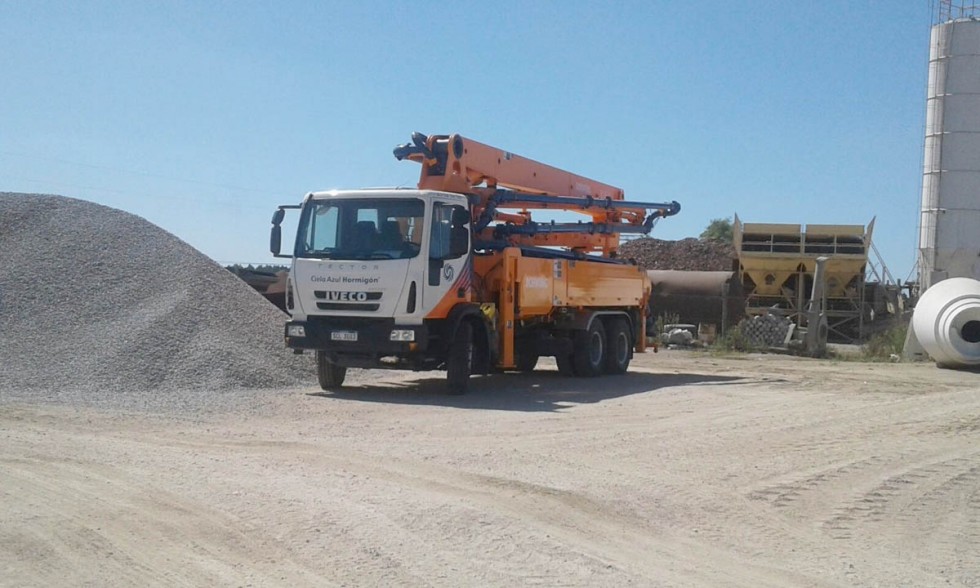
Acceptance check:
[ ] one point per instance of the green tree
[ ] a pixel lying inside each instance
(719, 229)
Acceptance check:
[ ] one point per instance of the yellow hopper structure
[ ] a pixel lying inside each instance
(777, 263)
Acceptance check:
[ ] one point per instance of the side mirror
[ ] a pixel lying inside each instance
(459, 242)
(461, 216)
(459, 235)
(275, 239)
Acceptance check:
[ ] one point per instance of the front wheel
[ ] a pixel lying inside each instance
(330, 375)
(459, 364)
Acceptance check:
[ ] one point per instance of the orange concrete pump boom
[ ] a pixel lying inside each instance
(456, 164)
(500, 179)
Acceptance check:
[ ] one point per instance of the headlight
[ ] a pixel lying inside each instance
(295, 331)
(402, 335)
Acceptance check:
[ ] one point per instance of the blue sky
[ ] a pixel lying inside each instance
(203, 116)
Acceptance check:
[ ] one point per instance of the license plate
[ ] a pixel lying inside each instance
(343, 335)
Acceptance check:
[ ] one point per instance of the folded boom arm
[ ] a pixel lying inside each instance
(499, 179)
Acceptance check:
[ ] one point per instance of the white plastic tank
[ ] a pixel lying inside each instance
(946, 322)
(949, 240)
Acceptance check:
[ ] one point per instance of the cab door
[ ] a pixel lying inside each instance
(448, 277)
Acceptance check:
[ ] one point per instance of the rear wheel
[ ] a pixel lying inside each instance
(589, 354)
(619, 347)
(330, 375)
(459, 364)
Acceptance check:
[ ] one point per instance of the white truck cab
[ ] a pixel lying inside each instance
(374, 272)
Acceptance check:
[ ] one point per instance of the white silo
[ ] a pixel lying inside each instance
(949, 236)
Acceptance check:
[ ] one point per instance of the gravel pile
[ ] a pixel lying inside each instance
(100, 307)
(687, 254)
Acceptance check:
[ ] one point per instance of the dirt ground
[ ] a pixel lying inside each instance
(692, 470)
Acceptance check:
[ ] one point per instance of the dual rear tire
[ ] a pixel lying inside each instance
(603, 348)
(589, 350)
(619, 347)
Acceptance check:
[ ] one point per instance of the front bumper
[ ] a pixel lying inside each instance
(372, 340)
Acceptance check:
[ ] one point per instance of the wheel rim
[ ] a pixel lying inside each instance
(622, 348)
(595, 348)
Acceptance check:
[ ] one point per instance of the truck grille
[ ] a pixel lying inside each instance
(347, 300)
(347, 306)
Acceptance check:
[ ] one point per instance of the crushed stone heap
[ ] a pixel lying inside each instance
(95, 301)
(685, 255)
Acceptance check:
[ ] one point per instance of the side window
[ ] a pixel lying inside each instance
(450, 234)
(441, 219)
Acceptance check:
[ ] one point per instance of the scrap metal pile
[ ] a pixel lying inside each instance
(687, 254)
(767, 330)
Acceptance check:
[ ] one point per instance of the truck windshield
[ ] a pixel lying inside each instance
(361, 228)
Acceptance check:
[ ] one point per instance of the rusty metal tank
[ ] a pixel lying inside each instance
(697, 297)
